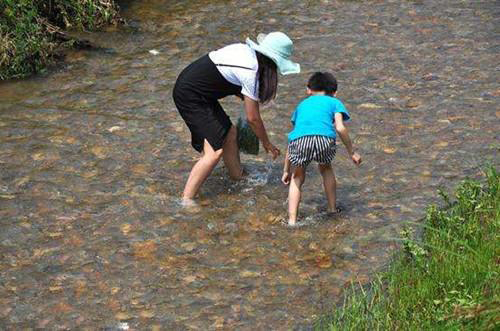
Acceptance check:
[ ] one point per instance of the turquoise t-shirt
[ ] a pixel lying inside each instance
(316, 116)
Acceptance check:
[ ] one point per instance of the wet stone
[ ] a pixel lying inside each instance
(91, 226)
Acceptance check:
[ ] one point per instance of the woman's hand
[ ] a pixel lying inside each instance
(255, 122)
(270, 148)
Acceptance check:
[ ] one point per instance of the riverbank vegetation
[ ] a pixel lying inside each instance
(448, 280)
(32, 32)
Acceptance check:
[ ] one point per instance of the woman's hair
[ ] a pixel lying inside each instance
(268, 78)
(322, 82)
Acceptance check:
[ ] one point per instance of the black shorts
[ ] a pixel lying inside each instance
(303, 150)
(195, 94)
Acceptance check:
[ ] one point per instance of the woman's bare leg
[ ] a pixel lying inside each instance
(231, 154)
(294, 193)
(330, 185)
(201, 170)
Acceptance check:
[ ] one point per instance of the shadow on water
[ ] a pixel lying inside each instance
(94, 155)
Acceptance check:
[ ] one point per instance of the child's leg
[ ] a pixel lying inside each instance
(201, 170)
(330, 185)
(298, 177)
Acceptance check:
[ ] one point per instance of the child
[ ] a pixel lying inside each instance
(313, 138)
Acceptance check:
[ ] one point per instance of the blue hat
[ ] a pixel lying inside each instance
(278, 47)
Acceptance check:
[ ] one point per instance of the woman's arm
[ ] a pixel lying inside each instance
(344, 136)
(255, 121)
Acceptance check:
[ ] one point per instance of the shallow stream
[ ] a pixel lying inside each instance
(93, 157)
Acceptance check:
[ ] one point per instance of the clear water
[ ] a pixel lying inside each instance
(93, 157)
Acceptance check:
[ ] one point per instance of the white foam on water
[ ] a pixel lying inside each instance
(123, 326)
(188, 205)
(310, 220)
(297, 224)
(260, 178)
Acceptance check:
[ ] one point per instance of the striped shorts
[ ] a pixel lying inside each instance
(303, 150)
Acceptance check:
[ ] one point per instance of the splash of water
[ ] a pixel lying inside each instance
(260, 178)
(187, 205)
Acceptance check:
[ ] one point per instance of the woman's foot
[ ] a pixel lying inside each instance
(244, 172)
(242, 175)
(337, 210)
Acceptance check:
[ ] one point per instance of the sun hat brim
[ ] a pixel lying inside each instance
(285, 66)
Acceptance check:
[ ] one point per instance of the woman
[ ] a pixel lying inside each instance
(245, 70)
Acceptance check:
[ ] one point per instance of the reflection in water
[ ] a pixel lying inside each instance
(93, 157)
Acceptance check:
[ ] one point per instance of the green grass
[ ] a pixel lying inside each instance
(447, 280)
(31, 31)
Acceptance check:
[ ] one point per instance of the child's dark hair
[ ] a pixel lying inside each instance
(322, 82)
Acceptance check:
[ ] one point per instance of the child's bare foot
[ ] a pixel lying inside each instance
(297, 224)
(187, 202)
(190, 205)
(292, 224)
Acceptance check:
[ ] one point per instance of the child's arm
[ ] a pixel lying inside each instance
(286, 170)
(286, 167)
(344, 136)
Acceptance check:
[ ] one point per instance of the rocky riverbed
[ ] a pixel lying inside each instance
(93, 157)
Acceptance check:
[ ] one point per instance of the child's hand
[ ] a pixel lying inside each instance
(286, 177)
(356, 158)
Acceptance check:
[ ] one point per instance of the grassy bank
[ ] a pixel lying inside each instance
(32, 31)
(448, 280)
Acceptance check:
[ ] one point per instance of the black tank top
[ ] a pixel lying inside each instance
(204, 79)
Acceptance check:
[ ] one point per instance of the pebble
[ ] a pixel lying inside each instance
(93, 159)
(123, 316)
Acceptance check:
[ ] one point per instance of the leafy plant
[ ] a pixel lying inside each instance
(30, 30)
(448, 280)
